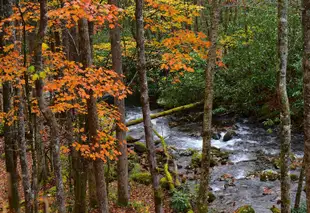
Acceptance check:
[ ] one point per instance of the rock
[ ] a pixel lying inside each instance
(142, 177)
(180, 166)
(157, 142)
(131, 139)
(216, 136)
(211, 197)
(245, 209)
(229, 135)
(140, 147)
(187, 152)
(268, 175)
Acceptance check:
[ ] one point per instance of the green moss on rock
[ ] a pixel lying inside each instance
(268, 175)
(142, 177)
(140, 147)
(245, 209)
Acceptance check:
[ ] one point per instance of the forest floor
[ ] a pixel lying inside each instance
(141, 196)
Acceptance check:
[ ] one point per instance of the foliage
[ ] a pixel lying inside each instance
(141, 177)
(180, 201)
(301, 209)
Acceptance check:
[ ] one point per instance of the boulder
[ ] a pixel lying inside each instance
(211, 197)
(216, 136)
(229, 135)
(140, 147)
(131, 139)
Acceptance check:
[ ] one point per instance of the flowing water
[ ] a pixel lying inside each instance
(249, 152)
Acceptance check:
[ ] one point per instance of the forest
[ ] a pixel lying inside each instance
(175, 106)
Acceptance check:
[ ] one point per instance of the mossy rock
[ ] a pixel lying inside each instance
(196, 160)
(217, 156)
(164, 183)
(131, 139)
(245, 209)
(294, 177)
(140, 147)
(268, 175)
(274, 209)
(142, 177)
(216, 136)
(229, 135)
(211, 197)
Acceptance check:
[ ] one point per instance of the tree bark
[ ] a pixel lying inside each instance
(207, 117)
(92, 118)
(23, 153)
(146, 107)
(300, 184)
(306, 88)
(122, 163)
(46, 111)
(285, 133)
(9, 142)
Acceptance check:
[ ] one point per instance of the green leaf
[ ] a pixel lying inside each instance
(31, 69)
(35, 77)
(42, 75)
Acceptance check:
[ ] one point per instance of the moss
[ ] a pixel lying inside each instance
(142, 177)
(294, 177)
(140, 147)
(131, 139)
(245, 209)
(196, 160)
(274, 209)
(211, 197)
(268, 175)
(164, 183)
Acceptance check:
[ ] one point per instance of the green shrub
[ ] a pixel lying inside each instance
(180, 202)
(301, 209)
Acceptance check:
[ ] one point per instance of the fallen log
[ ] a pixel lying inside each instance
(164, 113)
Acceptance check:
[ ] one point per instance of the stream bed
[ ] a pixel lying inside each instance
(249, 151)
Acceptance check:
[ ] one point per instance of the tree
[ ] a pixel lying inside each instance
(285, 133)
(207, 110)
(9, 142)
(46, 111)
(122, 163)
(146, 106)
(306, 87)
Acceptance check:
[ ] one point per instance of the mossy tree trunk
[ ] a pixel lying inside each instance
(202, 203)
(285, 133)
(306, 88)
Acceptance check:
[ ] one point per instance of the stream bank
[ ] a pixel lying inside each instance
(251, 150)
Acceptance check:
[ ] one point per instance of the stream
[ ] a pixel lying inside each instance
(249, 152)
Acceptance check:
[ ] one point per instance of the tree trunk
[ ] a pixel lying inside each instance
(46, 111)
(207, 116)
(23, 153)
(164, 113)
(300, 184)
(122, 163)
(146, 107)
(9, 142)
(92, 118)
(306, 88)
(285, 133)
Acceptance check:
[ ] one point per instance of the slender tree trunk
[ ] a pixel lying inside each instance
(146, 107)
(92, 118)
(300, 184)
(207, 117)
(23, 153)
(46, 111)
(285, 134)
(9, 142)
(122, 163)
(306, 70)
